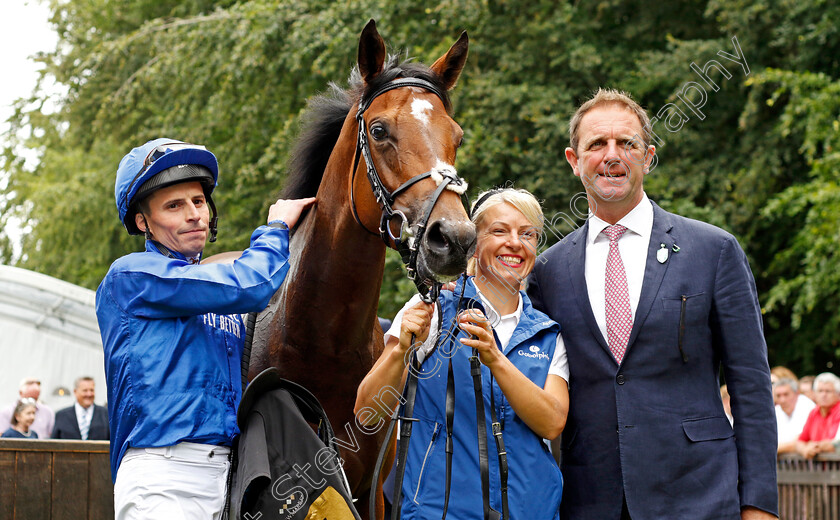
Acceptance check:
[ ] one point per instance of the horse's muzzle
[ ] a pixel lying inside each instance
(446, 247)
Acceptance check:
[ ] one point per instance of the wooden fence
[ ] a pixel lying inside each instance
(809, 489)
(55, 480)
(63, 480)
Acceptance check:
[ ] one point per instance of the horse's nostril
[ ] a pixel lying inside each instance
(437, 240)
(445, 238)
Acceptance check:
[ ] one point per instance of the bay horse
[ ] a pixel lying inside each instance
(321, 329)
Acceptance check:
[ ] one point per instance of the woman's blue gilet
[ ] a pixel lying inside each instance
(534, 480)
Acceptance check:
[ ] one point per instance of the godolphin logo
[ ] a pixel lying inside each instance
(534, 353)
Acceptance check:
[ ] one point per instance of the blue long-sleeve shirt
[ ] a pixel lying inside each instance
(173, 341)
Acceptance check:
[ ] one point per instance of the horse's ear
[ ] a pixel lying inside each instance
(448, 67)
(371, 52)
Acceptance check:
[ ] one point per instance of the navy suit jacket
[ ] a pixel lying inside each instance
(653, 429)
(67, 427)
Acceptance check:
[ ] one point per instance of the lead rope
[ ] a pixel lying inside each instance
(481, 426)
(502, 454)
(483, 452)
(449, 448)
(405, 433)
(450, 410)
(411, 381)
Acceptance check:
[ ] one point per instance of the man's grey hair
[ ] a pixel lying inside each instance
(827, 377)
(79, 380)
(786, 381)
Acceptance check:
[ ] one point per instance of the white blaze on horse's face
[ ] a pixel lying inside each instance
(420, 109)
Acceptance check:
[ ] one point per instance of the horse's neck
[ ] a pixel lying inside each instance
(340, 258)
(338, 273)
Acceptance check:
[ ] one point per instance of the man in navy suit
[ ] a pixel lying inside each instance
(651, 306)
(84, 420)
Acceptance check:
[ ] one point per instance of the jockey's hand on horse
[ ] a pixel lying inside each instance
(415, 320)
(289, 210)
(474, 322)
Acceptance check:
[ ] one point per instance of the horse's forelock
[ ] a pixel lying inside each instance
(394, 69)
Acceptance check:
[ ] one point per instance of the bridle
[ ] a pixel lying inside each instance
(408, 241)
(407, 244)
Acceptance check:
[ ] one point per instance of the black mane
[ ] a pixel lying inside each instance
(324, 116)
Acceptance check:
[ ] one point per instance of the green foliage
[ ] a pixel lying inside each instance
(761, 163)
(805, 265)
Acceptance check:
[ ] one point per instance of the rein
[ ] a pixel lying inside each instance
(408, 240)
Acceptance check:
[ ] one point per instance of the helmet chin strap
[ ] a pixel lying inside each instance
(214, 218)
(146, 231)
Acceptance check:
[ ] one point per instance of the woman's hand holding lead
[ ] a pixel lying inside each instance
(415, 321)
(474, 322)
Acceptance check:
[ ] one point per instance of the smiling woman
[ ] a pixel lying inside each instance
(521, 354)
(508, 224)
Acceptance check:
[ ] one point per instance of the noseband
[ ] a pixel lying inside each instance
(408, 241)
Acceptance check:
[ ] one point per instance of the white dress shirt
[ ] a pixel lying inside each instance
(790, 426)
(633, 247)
(83, 418)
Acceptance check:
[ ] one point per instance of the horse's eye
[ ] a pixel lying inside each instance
(378, 132)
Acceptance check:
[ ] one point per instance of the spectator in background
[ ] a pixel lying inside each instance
(821, 426)
(792, 410)
(780, 372)
(22, 418)
(837, 440)
(806, 387)
(30, 388)
(727, 405)
(84, 420)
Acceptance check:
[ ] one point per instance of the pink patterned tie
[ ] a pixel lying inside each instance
(619, 316)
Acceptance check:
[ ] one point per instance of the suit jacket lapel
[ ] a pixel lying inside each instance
(576, 256)
(76, 429)
(654, 270)
(94, 423)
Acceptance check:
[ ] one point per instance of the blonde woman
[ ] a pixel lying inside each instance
(524, 376)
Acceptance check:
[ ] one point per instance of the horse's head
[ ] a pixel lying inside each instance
(411, 141)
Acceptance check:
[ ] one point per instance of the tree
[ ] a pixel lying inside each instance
(803, 302)
(236, 76)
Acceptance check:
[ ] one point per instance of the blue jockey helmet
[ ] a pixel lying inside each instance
(160, 163)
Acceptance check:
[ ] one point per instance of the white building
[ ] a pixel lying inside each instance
(48, 331)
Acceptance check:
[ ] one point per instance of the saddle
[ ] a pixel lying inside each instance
(284, 469)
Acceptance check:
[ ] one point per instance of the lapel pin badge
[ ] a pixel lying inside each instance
(675, 248)
(662, 254)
